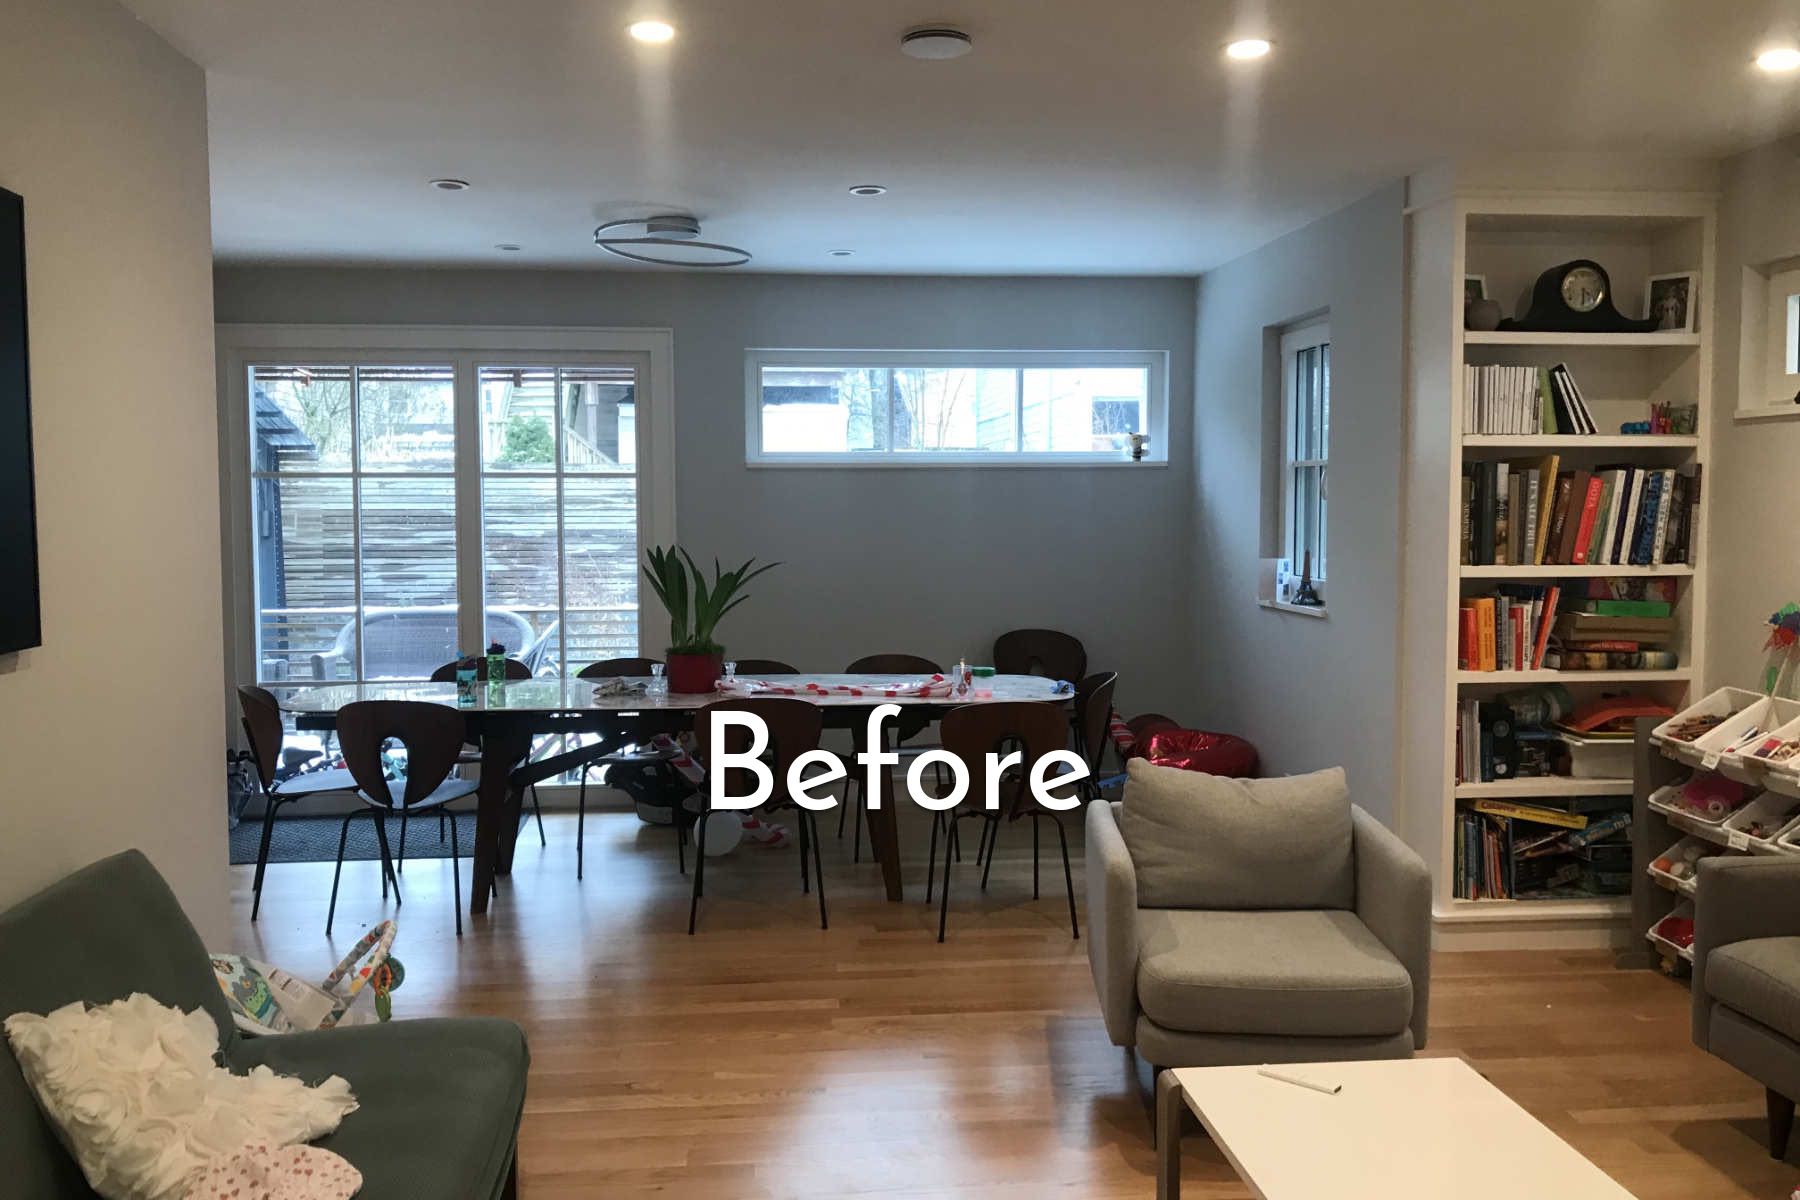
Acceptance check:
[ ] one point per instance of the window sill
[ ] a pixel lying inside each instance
(1771, 412)
(1009, 462)
(1297, 610)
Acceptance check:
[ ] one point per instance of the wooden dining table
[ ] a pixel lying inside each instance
(505, 723)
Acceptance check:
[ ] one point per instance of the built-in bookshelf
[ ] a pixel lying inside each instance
(1508, 240)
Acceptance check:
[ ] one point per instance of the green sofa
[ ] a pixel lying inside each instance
(440, 1100)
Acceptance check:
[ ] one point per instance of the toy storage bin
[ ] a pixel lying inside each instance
(1597, 758)
(1660, 933)
(1720, 749)
(1726, 702)
(1671, 801)
(1778, 769)
(1687, 850)
(1774, 812)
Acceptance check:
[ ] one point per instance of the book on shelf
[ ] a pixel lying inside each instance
(1509, 851)
(1523, 401)
(1532, 512)
(1507, 630)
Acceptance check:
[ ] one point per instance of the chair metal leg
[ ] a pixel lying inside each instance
(993, 841)
(455, 875)
(856, 836)
(580, 822)
(805, 867)
(678, 812)
(440, 826)
(699, 872)
(387, 860)
(337, 872)
(400, 859)
(944, 896)
(1068, 878)
(937, 820)
(262, 854)
(1034, 856)
(844, 808)
(812, 825)
(537, 812)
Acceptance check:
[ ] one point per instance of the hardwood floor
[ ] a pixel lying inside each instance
(766, 1058)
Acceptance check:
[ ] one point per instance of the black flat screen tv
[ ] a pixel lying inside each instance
(21, 620)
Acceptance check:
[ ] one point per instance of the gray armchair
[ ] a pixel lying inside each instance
(1746, 990)
(1201, 987)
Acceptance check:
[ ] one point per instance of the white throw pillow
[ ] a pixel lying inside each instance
(133, 1090)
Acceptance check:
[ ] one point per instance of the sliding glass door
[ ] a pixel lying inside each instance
(403, 502)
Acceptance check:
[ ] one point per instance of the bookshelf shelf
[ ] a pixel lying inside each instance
(1677, 675)
(1609, 907)
(1566, 571)
(1510, 337)
(1573, 441)
(1544, 785)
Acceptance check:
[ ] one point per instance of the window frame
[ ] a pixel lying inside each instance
(1295, 339)
(467, 350)
(1154, 362)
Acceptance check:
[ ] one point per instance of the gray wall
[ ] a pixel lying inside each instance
(934, 562)
(1310, 693)
(1753, 541)
(110, 731)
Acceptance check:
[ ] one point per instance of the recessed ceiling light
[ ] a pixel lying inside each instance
(867, 189)
(842, 253)
(509, 247)
(652, 31)
(935, 42)
(1248, 48)
(1779, 59)
(450, 185)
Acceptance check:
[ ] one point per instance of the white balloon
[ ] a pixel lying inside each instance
(724, 830)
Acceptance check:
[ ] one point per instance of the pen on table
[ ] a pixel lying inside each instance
(1330, 1089)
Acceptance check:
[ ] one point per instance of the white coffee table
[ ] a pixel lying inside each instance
(1405, 1129)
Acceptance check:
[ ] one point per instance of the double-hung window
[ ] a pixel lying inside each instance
(1306, 445)
(914, 408)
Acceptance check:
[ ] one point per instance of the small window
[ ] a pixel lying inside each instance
(899, 408)
(1306, 445)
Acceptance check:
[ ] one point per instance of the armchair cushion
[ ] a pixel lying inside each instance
(1207, 842)
(1761, 979)
(1311, 973)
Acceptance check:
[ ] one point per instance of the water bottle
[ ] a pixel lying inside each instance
(496, 674)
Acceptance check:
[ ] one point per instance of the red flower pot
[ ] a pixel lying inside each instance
(695, 674)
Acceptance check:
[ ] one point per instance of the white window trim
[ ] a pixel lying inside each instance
(1156, 419)
(465, 348)
(1300, 337)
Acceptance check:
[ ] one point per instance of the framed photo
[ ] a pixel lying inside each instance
(1673, 301)
(1474, 288)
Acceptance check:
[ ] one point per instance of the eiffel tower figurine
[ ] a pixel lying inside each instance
(1306, 595)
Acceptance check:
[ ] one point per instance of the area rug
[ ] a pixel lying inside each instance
(315, 839)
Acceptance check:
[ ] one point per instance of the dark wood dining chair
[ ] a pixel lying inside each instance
(755, 668)
(908, 725)
(1046, 652)
(971, 732)
(516, 672)
(1093, 717)
(432, 736)
(794, 727)
(261, 716)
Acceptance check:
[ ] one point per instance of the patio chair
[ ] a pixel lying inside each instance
(409, 643)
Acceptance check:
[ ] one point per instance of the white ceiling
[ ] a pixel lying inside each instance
(1079, 137)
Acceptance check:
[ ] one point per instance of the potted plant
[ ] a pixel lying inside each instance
(695, 606)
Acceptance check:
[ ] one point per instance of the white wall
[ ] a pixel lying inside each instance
(1753, 547)
(933, 562)
(110, 731)
(1309, 693)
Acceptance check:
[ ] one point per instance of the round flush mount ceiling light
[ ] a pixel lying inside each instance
(508, 247)
(1248, 48)
(935, 42)
(450, 185)
(654, 32)
(842, 253)
(666, 240)
(868, 189)
(1779, 60)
